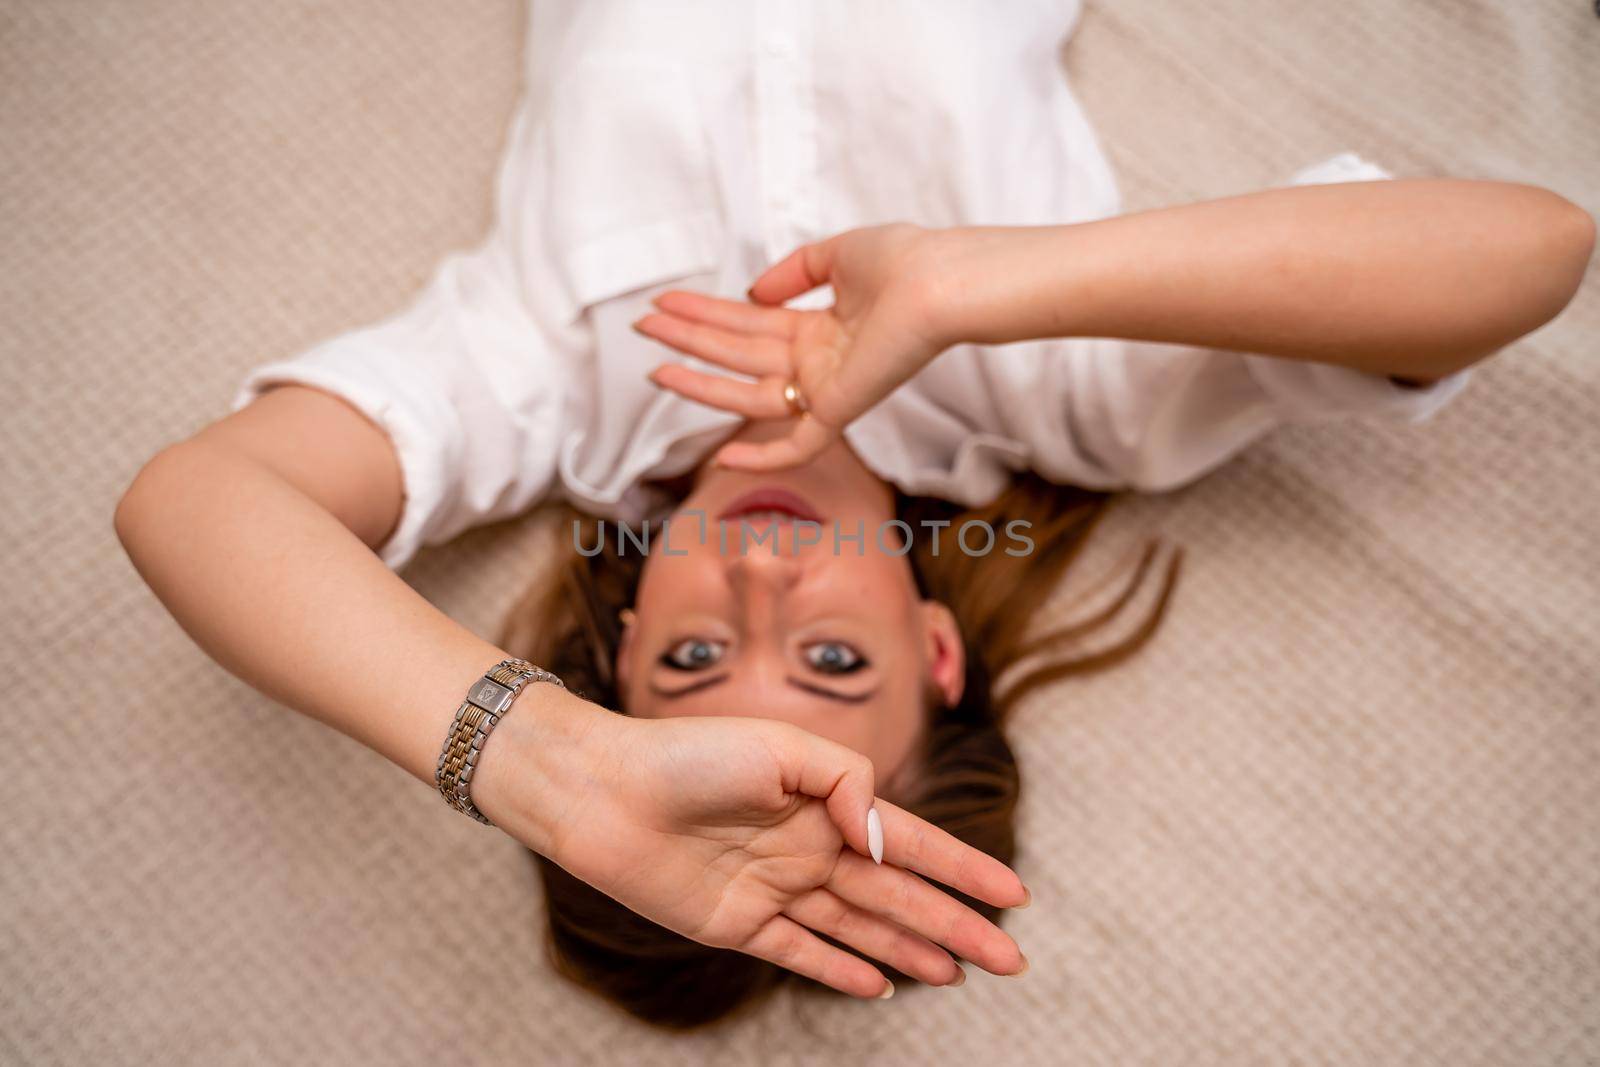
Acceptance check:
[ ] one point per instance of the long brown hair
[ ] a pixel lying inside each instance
(968, 783)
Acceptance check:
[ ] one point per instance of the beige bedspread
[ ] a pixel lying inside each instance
(1345, 810)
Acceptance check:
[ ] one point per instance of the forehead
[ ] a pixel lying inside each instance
(884, 729)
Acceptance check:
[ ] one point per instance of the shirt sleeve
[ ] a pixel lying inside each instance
(1154, 416)
(466, 387)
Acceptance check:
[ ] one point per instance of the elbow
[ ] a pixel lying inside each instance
(144, 494)
(1540, 250)
(1571, 233)
(1564, 236)
(133, 503)
(1578, 238)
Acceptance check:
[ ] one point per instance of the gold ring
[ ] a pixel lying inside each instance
(795, 399)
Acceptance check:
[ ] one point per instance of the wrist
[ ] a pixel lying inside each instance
(1001, 284)
(968, 306)
(540, 763)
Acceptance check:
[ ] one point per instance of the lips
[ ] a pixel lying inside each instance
(771, 500)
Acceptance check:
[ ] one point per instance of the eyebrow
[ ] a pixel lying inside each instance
(798, 683)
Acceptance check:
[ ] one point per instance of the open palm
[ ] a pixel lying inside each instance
(844, 359)
(751, 834)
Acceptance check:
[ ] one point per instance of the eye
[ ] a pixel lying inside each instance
(834, 657)
(692, 654)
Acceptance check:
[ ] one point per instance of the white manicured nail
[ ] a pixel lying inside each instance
(888, 990)
(874, 835)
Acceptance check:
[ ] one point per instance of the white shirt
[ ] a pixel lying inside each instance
(691, 145)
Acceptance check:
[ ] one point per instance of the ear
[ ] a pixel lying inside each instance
(946, 655)
(624, 661)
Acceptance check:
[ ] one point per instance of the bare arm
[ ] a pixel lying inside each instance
(1410, 279)
(256, 535)
(1413, 279)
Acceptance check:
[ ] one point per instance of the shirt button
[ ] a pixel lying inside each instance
(776, 47)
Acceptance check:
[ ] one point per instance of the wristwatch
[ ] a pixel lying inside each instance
(485, 705)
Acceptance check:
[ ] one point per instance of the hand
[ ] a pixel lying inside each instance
(750, 834)
(885, 325)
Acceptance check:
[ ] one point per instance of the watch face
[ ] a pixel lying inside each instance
(490, 695)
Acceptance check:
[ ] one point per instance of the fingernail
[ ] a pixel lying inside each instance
(1023, 971)
(874, 834)
(1027, 898)
(960, 978)
(888, 990)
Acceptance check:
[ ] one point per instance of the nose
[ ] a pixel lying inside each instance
(760, 565)
(760, 578)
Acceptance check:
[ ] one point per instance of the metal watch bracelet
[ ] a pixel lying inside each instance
(485, 705)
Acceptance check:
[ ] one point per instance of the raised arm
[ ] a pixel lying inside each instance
(257, 535)
(1410, 279)
(1413, 279)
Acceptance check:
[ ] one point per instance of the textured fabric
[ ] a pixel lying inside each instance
(1342, 811)
(659, 147)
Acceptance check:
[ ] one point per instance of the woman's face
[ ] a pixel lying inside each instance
(829, 634)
